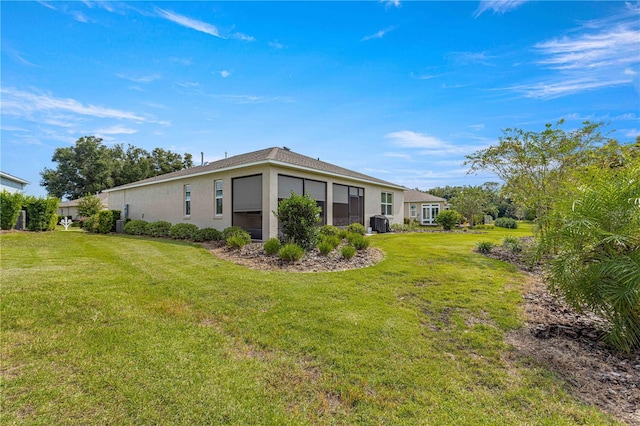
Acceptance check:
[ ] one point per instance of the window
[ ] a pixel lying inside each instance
(187, 200)
(315, 188)
(348, 205)
(246, 200)
(429, 213)
(218, 196)
(413, 210)
(387, 203)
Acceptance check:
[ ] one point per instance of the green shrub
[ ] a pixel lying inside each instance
(231, 231)
(159, 229)
(299, 216)
(239, 240)
(448, 219)
(89, 223)
(183, 231)
(506, 222)
(328, 231)
(358, 241)
(342, 234)
(291, 252)
(135, 227)
(325, 247)
(208, 234)
(103, 222)
(117, 214)
(513, 244)
(348, 252)
(333, 240)
(356, 228)
(272, 246)
(10, 206)
(41, 213)
(485, 246)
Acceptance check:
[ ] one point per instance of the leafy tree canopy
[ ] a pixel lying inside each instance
(90, 166)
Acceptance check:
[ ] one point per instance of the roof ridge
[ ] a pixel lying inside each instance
(273, 153)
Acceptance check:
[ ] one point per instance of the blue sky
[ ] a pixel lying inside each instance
(400, 90)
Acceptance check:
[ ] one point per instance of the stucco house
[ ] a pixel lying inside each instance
(11, 183)
(422, 206)
(70, 208)
(244, 190)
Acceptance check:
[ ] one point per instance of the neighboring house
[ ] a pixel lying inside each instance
(422, 207)
(70, 208)
(244, 191)
(11, 183)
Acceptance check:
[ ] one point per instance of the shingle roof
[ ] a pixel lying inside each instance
(413, 196)
(272, 155)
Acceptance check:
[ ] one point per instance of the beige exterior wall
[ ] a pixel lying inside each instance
(165, 200)
(419, 204)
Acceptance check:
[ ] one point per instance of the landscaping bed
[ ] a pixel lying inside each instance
(568, 343)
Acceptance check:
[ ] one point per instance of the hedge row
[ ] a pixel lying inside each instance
(41, 212)
(180, 231)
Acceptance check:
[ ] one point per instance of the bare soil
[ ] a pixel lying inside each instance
(555, 337)
(569, 343)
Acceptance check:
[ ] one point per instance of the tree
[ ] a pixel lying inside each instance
(10, 206)
(89, 205)
(89, 167)
(594, 244)
(471, 203)
(300, 218)
(83, 168)
(538, 167)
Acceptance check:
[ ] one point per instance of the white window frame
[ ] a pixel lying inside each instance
(187, 200)
(429, 219)
(217, 195)
(386, 203)
(413, 210)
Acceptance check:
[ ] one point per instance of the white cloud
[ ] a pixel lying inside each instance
(116, 130)
(378, 34)
(476, 127)
(225, 73)
(276, 44)
(471, 58)
(498, 6)
(397, 155)
(243, 37)
(47, 5)
(600, 53)
(187, 84)
(390, 3)
(24, 104)
(79, 16)
(145, 79)
(193, 24)
(409, 139)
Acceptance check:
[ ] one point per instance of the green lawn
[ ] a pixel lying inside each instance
(121, 330)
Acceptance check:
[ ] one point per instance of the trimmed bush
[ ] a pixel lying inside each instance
(41, 213)
(334, 241)
(506, 222)
(485, 246)
(513, 244)
(348, 252)
(358, 241)
(328, 231)
(299, 216)
(291, 252)
(135, 227)
(103, 222)
(117, 215)
(159, 229)
(356, 228)
(272, 246)
(239, 240)
(89, 223)
(208, 234)
(448, 219)
(10, 206)
(183, 231)
(231, 231)
(89, 205)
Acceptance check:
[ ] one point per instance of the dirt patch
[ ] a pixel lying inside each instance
(253, 256)
(568, 343)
